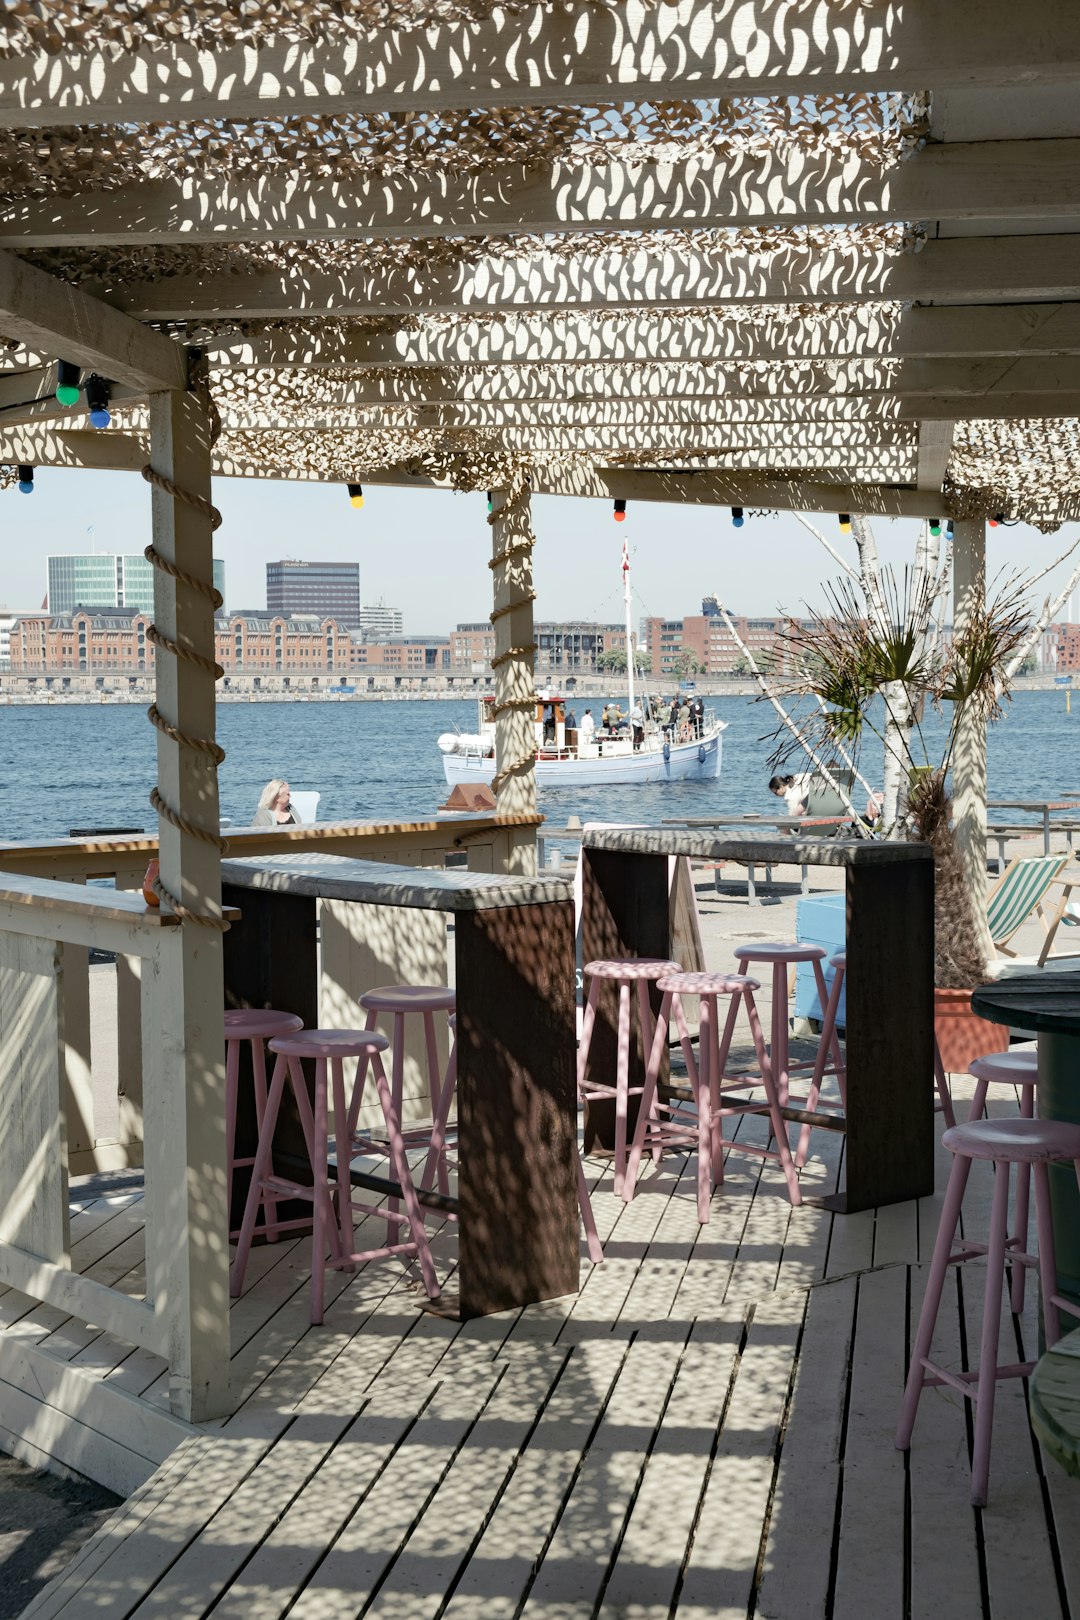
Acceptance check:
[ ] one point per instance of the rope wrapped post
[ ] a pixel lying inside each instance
(183, 986)
(969, 759)
(512, 538)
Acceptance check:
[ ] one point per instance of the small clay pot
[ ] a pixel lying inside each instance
(961, 1034)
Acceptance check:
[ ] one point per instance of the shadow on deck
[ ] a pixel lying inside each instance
(705, 1430)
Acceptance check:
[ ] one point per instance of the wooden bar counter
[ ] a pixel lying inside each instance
(888, 1155)
(516, 1094)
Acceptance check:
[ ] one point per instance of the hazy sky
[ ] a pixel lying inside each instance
(426, 551)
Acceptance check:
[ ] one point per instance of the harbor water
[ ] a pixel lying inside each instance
(74, 765)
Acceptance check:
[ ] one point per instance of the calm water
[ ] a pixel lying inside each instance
(93, 765)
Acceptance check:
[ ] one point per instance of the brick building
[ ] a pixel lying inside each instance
(90, 640)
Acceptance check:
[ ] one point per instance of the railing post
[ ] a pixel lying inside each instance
(515, 687)
(183, 1042)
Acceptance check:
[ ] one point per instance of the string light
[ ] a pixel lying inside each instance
(845, 522)
(67, 382)
(491, 502)
(737, 519)
(999, 517)
(26, 480)
(948, 530)
(97, 400)
(356, 495)
(620, 511)
(935, 527)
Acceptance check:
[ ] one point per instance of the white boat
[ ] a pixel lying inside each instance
(570, 758)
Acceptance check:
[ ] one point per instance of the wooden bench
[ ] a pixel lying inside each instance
(1000, 832)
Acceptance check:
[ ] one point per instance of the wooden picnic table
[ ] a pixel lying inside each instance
(1042, 807)
(753, 826)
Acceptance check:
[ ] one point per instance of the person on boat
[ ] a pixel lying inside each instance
(795, 792)
(637, 722)
(586, 728)
(697, 709)
(663, 716)
(570, 723)
(684, 720)
(275, 806)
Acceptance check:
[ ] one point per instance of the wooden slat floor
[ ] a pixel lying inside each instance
(704, 1430)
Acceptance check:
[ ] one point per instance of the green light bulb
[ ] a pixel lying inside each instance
(67, 395)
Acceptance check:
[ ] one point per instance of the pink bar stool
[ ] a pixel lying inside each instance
(1034, 1143)
(256, 1026)
(638, 972)
(333, 1204)
(780, 956)
(1020, 1068)
(661, 1125)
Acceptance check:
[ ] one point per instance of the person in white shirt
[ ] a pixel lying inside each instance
(637, 721)
(795, 792)
(586, 729)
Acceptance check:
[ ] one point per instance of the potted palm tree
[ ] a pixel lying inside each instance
(876, 670)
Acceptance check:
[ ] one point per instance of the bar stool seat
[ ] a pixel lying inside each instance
(776, 950)
(409, 998)
(638, 972)
(255, 1026)
(1033, 1144)
(333, 1203)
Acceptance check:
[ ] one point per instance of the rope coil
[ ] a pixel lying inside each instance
(184, 739)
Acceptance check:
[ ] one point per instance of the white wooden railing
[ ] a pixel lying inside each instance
(50, 918)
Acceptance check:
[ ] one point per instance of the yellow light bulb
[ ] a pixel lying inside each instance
(357, 501)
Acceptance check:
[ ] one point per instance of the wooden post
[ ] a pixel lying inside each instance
(969, 759)
(183, 1042)
(515, 688)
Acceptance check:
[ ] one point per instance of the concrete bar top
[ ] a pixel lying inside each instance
(758, 847)
(379, 883)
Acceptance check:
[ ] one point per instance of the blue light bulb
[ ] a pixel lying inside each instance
(99, 417)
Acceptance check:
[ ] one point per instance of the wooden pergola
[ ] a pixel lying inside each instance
(818, 255)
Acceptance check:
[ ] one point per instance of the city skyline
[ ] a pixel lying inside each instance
(440, 577)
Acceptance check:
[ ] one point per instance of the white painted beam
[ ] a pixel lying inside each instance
(1005, 269)
(657, 335)
(578, 52)
(58, 319)
(935, 447)
(991, 181)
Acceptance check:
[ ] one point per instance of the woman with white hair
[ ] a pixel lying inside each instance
(275, 807)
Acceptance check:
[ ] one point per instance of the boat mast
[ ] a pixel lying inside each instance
(629, 632)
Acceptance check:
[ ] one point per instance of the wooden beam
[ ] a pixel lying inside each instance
(989, 181)
(1005, 269)
(656, 335)
(61, 320)
(40, 446)
(935, 448)
(577, 53)
(842, 383)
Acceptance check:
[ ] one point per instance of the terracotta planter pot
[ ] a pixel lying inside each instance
(961, 1035)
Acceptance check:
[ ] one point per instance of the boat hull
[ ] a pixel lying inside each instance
(697, 761)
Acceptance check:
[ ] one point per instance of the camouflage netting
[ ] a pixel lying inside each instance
(268, 365)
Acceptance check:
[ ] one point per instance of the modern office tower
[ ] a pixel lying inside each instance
(104, 579)
(329, 589)
(378, 622)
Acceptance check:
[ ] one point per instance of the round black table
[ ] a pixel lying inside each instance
(1048, 1005)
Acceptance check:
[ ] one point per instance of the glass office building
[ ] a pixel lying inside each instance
(107, 580)
(329, 589)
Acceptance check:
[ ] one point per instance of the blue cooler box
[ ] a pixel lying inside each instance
(820, 919)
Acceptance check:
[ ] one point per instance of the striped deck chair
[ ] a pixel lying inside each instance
(1019, 892)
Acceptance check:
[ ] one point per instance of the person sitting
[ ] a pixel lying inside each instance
(795, 792)
(275, 807)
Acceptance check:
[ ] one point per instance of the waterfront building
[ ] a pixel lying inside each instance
(102, 640)
(331, 590)
(107, 579)
(6, 621)
(378, 622)
(575, 646)
(411, 655)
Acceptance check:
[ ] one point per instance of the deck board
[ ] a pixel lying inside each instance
(705, 1429)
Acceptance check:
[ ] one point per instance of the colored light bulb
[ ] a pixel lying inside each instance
(949, 530)
(996, 519)
(356, 495)
(935, 527)
(97, 400)
(67, 382)
(26, 480)
(845, 522)
(620, 511)
(737, 519)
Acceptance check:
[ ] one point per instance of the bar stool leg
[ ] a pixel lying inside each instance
(587, 1023)
(258, 1068)
(1044, 1226)
(435, 1093)
(991, 1329)
(648, 1096)
(319, 1153)
(622, 1086)
(828, 1046)
(706, 1072)
(723, 1049)
(397, 1073)
(1021, 1208)
(779, 1052)
(342, 1159)
(401, 1171)
(438, 1131)
(783, 1146)
(647, 1032)
(592, 1237)
(935, 1282)
(258, 1170)
(944, 1094)
(232, 1080)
